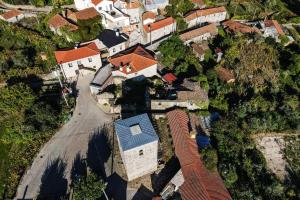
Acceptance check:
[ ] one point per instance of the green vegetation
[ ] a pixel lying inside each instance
(29, 114)
(249, 107)
(90, 187)
(165, 139)
(40, 3)
(178, 57)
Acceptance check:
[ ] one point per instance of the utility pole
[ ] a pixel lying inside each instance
(61, 85)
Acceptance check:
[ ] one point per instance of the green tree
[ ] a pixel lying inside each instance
(88, 188)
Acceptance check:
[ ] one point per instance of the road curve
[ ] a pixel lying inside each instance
(70, 140)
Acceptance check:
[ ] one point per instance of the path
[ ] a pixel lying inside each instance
(70, 140)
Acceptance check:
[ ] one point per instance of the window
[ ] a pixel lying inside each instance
(90, 59)
(114, 50)
(141, 152)
(78, 62)
(70, 65)
(99, 8)
(110, 6)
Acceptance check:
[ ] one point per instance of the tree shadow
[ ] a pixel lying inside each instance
(116, 187)
(99, 151)
(54, 184)
(79, 168)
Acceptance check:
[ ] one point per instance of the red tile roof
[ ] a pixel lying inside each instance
(96, 2)
(170, 78)
(133, 4)
(85, 51)
(204, 12)
(57, 21)
(199, 183)
(270, 23)
(234, 26)
(148, 15)
(137, 58)
(10, 14)
(84, 14)
(159, 24)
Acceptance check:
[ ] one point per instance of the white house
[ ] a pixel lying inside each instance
(159, 29)
(57, 23)
(134, 63)
(148, 17)
(138, 144)
(111, 41)
(12, 16)
(208, 15)
(133, 8)
(154, 5)
(199, 34)
(271, 28)
(111, 17)
(84, 59)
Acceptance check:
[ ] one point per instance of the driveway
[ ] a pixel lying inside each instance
(65, 146)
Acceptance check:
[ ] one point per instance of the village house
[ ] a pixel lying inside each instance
(198, 183)
(57, 23)
(188, 95)
(85, 14)
(12, 16)
(132, 8)
(84, 59)
(207, 15)
(159, 29)
(138, 144)
(271, 28)
(199, 34)
(155, 5)
(148, 17)
(237, 27)
(111, 16)
(111, 41)
(199, 50)
(134, 33)
(135, 62)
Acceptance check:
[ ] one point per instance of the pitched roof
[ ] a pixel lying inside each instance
(96, 2)
(191, 91)
(64, 56)
(148, 15)
(198, 2)
(270, 23)
(170, 78)
(239, 27)
(85, 14)
(224, 74)
(137, 58)
(198, 49)
(109, 38)
(135, 131)
(57, 21)
(211, 28)
(133, 4)
(199, 183)
(203, 12)
(159, 24)
(10, 14)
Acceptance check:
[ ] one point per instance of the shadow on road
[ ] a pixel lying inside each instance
(99, 151)
(54, 184)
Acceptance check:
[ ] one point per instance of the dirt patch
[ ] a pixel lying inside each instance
(273, 149)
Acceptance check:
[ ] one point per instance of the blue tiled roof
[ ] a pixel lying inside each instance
(129, 140)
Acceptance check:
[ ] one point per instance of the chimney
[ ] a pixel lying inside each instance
(128, 68)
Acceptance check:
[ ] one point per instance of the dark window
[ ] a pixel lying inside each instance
(90, 59)
(70, 65)
(141, 152)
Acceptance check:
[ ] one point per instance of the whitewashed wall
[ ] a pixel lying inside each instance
(213, 18)
(148, 72)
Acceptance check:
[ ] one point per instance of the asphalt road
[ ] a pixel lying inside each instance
(72, 139)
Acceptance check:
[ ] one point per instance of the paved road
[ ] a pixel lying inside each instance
(70, 140)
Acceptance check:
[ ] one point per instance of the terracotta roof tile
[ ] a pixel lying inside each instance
(159, 24)
(133, 4)
(239, 27)
(198, 49)
(199, 183)
(191, 91)
(64, 56)
(170, 78)
(57, 21)
(96, 2)
(270, 23)
(211, 28)
(10, 14)
(137, 58)
(84, 14)
(148, 15)
(204, 12)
